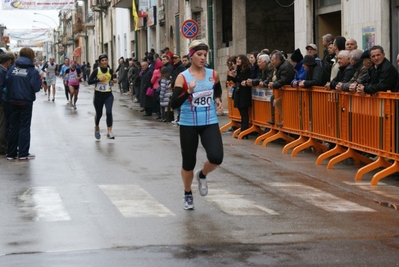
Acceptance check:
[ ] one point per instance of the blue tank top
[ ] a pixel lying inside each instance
(199, 108)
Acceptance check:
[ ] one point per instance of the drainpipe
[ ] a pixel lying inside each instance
(136, 46)
(102, 32)
(112, 39)
(210, 31)
(86, 37)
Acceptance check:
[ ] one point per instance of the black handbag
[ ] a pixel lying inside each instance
(236, 89)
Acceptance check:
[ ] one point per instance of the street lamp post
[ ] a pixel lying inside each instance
(43, 23)
(53, 50)
(56, 24)
(47, 42)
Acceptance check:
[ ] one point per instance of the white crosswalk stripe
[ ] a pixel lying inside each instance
(45, 203)
(42, 204)
(236, 204)
(133, 201)
(319, 198)
(382, 189)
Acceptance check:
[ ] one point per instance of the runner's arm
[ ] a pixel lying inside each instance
(93, 77)
(179, 94)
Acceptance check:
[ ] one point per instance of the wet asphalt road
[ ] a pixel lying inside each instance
(83, 202)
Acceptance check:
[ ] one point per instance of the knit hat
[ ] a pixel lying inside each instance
(366, 54)
(297, 56)
(309, 60)
(340, 42)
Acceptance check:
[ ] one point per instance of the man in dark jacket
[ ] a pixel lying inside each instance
(165, 62)
(284, 74)
(186, 61)
(132, 76)
(169, 54)
(122, 75)
(178, 67)
(383, 75)
(22, 82)
(146, 101)
(315, 75)
(266, 72)
(345, 73)
(361, 72)
(5, 63)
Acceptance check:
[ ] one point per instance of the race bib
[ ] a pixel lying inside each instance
(202, 99)
(102, 86)
(73, 76)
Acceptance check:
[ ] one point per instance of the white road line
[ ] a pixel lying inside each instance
(362, 183)
(236, 204)
(42, 204)
(382, 188)
(319, 198)
(133, 201)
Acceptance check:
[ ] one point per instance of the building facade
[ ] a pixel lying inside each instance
(230, 27)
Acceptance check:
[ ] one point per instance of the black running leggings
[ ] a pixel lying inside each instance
(211, 140)
(101, 99)
(66, 87)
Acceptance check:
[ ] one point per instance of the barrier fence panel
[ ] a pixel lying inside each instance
(366, 118)
(292, 109)
(234, 114)
(325, 114)
(275, 131)
(359, 126)
(261, 106)
(297, 113)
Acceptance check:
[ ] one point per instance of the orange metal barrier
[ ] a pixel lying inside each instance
(234, 114)
(358, 126)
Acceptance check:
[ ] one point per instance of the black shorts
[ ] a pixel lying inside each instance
(76, 87)
(211, 140)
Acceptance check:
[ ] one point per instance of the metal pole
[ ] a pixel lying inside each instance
(56, 24)
(102, 32)
(210, 30)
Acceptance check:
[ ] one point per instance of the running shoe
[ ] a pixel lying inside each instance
(202, 185)
(11, 158)
(188, 202)
(74, 107)
(110, 135)
(97, 134)
(53, 100)
(29, 156)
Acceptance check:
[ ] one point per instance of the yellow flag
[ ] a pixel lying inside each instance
(135, 16)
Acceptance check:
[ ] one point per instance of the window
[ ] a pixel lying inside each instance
(324, 3)
(197, 18)
(227, 22)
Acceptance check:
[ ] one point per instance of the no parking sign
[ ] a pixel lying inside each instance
(189, 28)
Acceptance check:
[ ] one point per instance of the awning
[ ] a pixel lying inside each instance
(77, 51)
